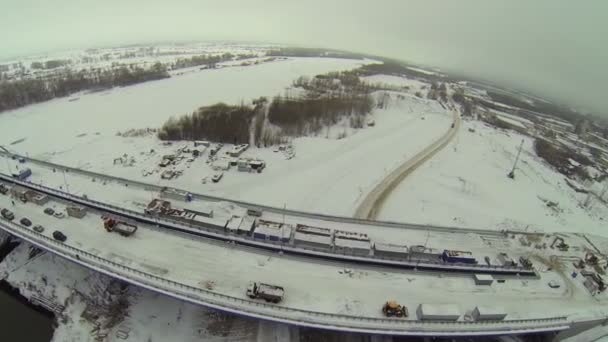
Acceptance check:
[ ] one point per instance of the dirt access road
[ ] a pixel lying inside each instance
(372, 203)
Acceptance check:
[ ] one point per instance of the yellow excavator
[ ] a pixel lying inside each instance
(394, 309)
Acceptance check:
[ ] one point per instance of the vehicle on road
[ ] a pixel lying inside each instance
(554, 284)
(7, 214)
(38, 228)
(49, 211)
(394, 309)
(26, 222)
(270, 293)
(59, 215)
(254, 212)
(121, 227)
(59, 236)
(217, 177)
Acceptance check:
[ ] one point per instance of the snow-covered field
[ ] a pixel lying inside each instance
(327, 175)
(466, 185)
(149, 316)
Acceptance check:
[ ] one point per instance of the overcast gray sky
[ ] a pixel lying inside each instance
(555, 47)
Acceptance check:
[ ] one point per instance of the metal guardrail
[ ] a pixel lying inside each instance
(214, 233)
(249, 205)
(302, 317)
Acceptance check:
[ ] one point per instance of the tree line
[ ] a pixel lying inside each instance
(305, 116)
(218, 123)
(19, 93)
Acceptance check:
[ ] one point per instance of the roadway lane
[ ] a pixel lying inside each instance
(371, 205)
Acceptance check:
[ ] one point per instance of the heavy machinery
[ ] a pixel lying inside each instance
(270, 293)
(394, 309)
(560, 244)
(525, 262)
(121, 227)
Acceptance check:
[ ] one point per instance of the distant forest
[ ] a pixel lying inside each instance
(19, 93)
(327, 100)
(219, 123)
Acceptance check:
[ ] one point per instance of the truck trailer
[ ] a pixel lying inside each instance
(270, 293)
(123, 228)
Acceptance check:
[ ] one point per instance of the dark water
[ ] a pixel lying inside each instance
(19, 320)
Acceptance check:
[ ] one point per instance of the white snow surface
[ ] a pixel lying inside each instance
(150, 316)
(466, 185)
(54, 125)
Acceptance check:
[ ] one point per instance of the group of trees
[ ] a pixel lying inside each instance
(560, 156)
(15, 94)
(467, 104)
(51, 64)
(303, 116)
(219, 123)
(208, 60)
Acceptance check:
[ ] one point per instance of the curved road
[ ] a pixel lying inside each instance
(372, 203)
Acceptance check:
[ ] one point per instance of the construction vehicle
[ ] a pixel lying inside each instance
(121, 227)
(270, 293)
(591, 259)
(525, 262)
(394, 309)
(562, 246)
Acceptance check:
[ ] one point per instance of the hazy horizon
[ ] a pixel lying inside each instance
(552, 48)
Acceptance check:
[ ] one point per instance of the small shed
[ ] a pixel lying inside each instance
(486, 313)
(438, 312)
(273, 231)
(173, 194)
(312, 240)
(246, 226)
(390, 250)
(76, 211)
(312, 237)
(233, 224)
(36, 197)
(506, 260)
(352, 247)
(19, 192)
(425, 253)
(483, 279)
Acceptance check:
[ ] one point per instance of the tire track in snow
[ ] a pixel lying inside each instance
(371, 205)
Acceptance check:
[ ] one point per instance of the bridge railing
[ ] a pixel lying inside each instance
(217, 230)
(248, 205)
(207, 297)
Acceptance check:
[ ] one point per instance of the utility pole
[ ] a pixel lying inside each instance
(6, 157)
(65, 182)
(512, 173)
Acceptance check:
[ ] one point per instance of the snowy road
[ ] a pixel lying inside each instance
(319, 294)
(371, 205)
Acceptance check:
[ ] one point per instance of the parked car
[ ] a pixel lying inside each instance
(554, 284)
(217, 177)
(7, 214)
(49, 211)
(26, 222)
(59, 236)
(38, 228)
(59, 214)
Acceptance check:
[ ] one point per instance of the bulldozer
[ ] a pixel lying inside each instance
(394, 309)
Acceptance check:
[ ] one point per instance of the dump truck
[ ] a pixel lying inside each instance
(123, 228)
(394, 309)
(270, 293)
